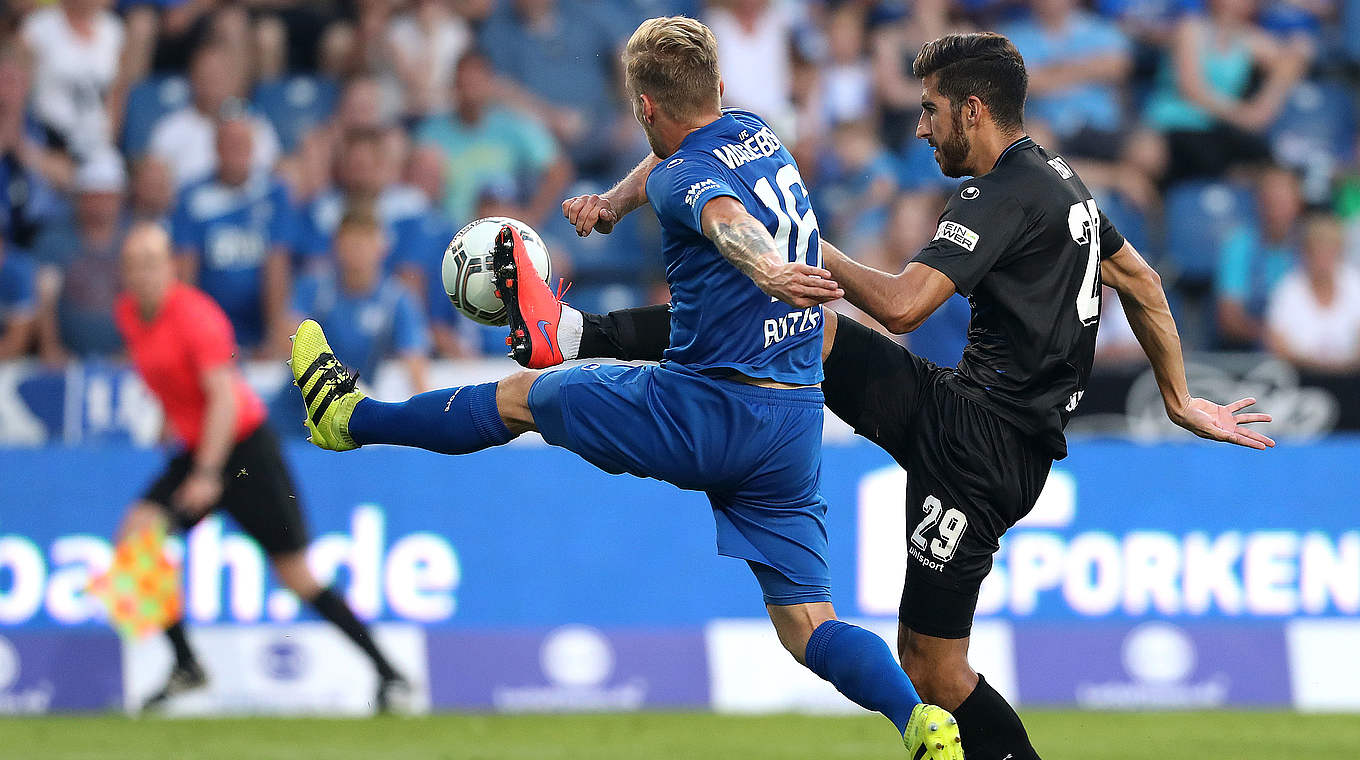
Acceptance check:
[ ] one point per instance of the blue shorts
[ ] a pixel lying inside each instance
(756, 452)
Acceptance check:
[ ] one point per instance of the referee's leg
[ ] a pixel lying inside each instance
(263, 500)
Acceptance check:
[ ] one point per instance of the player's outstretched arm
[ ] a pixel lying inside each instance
(1144, 301)
(900, 302)
(601, 212)
(745, 242)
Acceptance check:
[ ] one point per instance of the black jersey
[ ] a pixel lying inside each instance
(1024, 243)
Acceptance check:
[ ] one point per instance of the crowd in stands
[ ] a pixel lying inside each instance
(314, 157)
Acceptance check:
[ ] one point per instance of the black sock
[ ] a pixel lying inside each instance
(990, 728)
(332, 606)
(628, 334)
(184, 656)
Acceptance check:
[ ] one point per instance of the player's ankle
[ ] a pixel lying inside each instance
(570, 327)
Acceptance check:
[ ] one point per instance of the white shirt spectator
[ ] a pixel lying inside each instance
(757, 65)
(1115, 341)
(1327, 333)
(72, 74)
(430, 48)
(185, 141)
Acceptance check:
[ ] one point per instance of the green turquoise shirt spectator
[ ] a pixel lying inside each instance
(504, 149)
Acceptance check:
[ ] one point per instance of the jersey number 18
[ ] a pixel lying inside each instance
(786, 212)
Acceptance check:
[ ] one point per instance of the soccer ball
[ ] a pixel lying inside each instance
(467, 269)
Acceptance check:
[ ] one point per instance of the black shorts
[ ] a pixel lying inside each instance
(257, 491)
(970, 474)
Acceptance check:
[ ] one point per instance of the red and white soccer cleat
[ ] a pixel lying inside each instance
(534, 310)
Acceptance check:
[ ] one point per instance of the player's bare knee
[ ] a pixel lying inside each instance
(292, 569)
(512, 400)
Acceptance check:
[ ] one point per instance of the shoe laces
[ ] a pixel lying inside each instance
(562, 291)
(342, 378)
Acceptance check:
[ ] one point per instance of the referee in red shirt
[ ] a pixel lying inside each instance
(182, 345)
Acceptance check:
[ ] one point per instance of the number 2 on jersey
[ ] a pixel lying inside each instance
(786, 212)
(1083, 221)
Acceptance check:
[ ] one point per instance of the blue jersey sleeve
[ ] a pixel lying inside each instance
(410, 334)
(185, 231)
(680, 187)
(283, 223)
(304, 295)
(18, 289)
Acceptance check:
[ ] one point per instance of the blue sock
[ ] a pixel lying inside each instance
(450, 421)
(862, 667)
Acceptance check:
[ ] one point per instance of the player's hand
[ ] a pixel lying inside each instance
(800, 285)
(590, 212)
(1206, 419)
(198, 493)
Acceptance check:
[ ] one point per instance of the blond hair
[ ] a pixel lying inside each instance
(674, 60)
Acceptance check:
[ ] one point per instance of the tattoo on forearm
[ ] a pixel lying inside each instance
(744, 243)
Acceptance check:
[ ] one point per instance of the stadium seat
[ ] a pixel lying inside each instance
(148, 101)
(1350, 30)
(1315, 133)
(1131, 222)
(295, 104)
(1199, 216)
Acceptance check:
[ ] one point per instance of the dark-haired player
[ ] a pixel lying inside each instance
(1026, 243)
(182, 345)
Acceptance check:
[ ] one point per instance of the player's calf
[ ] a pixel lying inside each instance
(938, 667)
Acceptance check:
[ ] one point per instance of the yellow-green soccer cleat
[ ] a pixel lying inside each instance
(327, 388)
(934, 734)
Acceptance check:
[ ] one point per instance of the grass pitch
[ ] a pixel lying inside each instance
(674, 736)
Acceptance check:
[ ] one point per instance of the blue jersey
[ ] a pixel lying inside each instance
(232, 231)
(721, 323)
(365, 328)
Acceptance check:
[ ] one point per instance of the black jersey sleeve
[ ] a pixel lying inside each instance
(973, 234)
(1110, 239)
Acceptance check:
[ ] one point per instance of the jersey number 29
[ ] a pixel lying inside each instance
(1083, 221)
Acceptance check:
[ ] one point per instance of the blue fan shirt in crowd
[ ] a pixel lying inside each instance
(232, 231)
(364, 328)
(418, 244)
(1085, 35)
(18, 292)
(321, 218)
(721, 322)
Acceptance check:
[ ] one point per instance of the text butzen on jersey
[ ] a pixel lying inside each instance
(720, 321)
(1024, 243)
